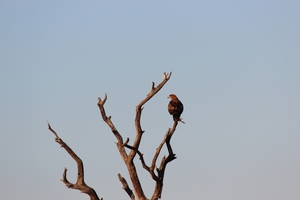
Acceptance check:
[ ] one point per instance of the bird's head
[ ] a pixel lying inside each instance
(172, 96)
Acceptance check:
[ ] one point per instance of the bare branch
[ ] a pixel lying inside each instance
(65, 180)
(154, 90)
(49, 127)
(159, 178)
(134, 149)
(153, 86)
(126, 142)
(116, 133)
(138, 127)
(141, 157)
(80, 184)
(126, 187)
(121, 147)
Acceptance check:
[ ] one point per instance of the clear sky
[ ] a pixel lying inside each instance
(236, 68)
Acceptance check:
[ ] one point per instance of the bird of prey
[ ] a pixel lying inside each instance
(175, 107)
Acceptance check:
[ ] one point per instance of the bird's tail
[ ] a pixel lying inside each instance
(177, 119)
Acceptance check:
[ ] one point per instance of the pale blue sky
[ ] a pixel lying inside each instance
(236, 68)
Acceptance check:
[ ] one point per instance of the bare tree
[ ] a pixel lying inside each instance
(156, 171)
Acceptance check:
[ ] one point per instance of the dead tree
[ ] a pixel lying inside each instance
(128, 158)
(156, 171)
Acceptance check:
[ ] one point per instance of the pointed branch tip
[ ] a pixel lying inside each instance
(126, 142)
(167, 75)
(153, 85)
(100, 101)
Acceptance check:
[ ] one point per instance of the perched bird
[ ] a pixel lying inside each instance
(175, 107)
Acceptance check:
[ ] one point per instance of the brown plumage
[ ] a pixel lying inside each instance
(175, 107)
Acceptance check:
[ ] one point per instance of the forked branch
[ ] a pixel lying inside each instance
(121, 147)
(134, 149)
(138, 128)
(80, 184)
(159, 177)
(157, 173)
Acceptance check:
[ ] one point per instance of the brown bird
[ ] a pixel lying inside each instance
(175, 107)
